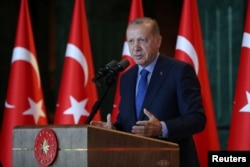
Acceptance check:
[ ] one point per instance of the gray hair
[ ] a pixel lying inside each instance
(147, 20)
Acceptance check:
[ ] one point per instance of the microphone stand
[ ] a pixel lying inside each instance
(108, 81)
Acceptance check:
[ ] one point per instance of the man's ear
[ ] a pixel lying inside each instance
(158, 40)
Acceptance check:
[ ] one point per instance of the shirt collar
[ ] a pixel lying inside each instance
(150, 67)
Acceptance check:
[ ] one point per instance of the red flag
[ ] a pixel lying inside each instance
(239, 136)
(189, 48)
(24, 104)
(77, 93)
(136, 10)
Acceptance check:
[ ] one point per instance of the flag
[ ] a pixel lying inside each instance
(77, 94)
(189, 48)
(239, 136)
(136, 10)
(24, 103)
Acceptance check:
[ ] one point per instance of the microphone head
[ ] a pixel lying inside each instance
(102, 72)
(111, 64)
(122, 64)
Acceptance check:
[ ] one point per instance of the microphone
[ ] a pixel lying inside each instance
(120, 66)
(110, 78)
(123, 64)
(110, 71)
(102, 72)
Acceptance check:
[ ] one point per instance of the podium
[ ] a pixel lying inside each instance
(89, 146)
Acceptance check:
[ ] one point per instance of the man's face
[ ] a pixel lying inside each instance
(143, 45)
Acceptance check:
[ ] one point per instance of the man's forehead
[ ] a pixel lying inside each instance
(138, 32)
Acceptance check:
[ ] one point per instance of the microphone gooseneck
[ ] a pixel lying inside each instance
(108, 75)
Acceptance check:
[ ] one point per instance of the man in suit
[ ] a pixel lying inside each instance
(171, 108)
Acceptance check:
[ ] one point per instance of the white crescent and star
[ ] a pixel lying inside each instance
(246, 43)
(75, 53)
(125, 51)
(22, 54)
(35, 110)
(7, 105)
(77, 109)
(186, 46)
(246, 108)
(246, 40)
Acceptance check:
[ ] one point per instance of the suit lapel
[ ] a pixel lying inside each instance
(159, 74)
(131, 83)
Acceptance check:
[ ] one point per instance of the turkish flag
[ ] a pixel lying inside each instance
(77, 94)
(189, 48)
(24, 104)
(239, 136)
(136, 10)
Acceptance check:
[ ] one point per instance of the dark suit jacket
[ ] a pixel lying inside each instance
(173, 96)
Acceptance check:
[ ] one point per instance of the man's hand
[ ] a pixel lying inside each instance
(150, 128)
(107, 124)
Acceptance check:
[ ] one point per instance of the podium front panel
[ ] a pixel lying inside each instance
(89, 146)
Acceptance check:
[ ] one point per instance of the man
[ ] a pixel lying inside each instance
(172, 107)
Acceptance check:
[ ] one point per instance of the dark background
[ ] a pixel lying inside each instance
(222, 25)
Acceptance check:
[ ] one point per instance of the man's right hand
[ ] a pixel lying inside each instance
(102, 124)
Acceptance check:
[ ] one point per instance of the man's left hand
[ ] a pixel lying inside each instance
(149, 128)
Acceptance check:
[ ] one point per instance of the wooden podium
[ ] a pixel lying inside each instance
(89, 146)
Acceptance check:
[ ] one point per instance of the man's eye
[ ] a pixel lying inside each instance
(143, 40)
(130, 42)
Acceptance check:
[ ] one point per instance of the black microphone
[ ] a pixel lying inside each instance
(120, 66)
(108, 73)
(102, 72)
(110, 78)
(123, 64)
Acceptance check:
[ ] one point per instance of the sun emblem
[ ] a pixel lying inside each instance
(45, 147)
